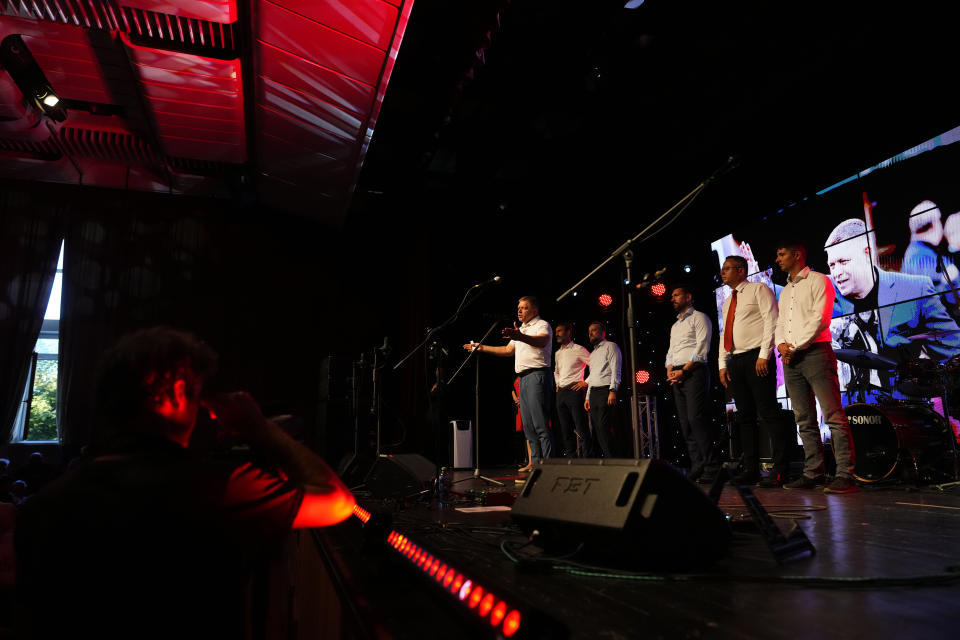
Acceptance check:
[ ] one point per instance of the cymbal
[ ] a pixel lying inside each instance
(933, 335)
(866, 359)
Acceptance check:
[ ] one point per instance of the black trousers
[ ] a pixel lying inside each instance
(573, 423)
(603, 418)
(692, 397)
(756, 399)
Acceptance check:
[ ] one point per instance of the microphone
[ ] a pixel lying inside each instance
(649, 279)
(732, 163)
(493, 280)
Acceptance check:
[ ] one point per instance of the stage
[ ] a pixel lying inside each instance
(899, 536)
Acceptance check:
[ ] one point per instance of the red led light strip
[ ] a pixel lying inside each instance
(361, 513)
(481, 601)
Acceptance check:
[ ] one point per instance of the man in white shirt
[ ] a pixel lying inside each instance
(689, 376)
(810, 369)
(569, 362)
(602, 386)
(530, 344)
(746, 347)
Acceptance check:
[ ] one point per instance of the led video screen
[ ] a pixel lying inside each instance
(889, 240)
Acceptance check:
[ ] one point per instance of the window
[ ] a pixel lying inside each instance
(37, 419)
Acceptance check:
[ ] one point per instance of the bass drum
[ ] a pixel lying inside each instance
(886, 437)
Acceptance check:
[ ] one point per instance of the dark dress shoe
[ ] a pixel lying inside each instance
(772, 481)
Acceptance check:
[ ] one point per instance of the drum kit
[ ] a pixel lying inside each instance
(905, 434)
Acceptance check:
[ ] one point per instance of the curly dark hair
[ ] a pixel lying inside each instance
(142, 365)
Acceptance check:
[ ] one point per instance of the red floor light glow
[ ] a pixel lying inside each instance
(455, 583)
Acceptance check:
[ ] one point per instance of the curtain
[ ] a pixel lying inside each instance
(31, 230)
(130, 263)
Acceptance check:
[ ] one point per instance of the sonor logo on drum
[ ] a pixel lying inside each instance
(866, 419)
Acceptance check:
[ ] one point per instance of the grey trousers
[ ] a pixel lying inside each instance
(813, 374)
(536, 403)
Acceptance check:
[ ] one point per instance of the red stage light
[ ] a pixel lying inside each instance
(433, 567)
(457, 583)
(486, 604)
(447, 579)
(498, 612)
(511, 623)
(442, 571)
(658, 290)
(475, 596)
(643, 376)
(605, 300)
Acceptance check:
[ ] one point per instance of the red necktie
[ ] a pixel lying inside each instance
(728, 325)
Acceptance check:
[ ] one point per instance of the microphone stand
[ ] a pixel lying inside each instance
(625, 251)
(476, 408)
(464, 303)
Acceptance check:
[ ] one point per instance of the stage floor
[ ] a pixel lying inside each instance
(891, 532)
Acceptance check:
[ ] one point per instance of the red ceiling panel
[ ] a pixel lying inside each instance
(319, 72)
(306, 107)
(307, 135)
(371, 21)
(293, 71)
(182, 84)
(314, 41)
(224, 11)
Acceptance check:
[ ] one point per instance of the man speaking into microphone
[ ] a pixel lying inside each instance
(531, 343)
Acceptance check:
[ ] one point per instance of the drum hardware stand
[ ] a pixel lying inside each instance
(784, 549)
(955, 471)
(476, 409)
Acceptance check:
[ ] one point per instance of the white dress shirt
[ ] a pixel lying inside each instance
(569, 362)
(530, 357)
(806, 307)
(689, 338)
(754, 321)
(605, 365)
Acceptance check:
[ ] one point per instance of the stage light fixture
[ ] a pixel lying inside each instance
(687, 268)
(643, 376)
(658, 290)
(48, 99)
(16, 59)
(605, 300)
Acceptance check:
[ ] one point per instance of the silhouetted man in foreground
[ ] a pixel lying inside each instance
(147, 538)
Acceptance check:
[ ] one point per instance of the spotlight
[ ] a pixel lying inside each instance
(605, 300)
(645, 381)
(48, 99)
(687, 268)
(16, 59)
(658, 290)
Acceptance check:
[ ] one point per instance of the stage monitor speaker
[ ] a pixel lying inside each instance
(628, 513)
(400, 475)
